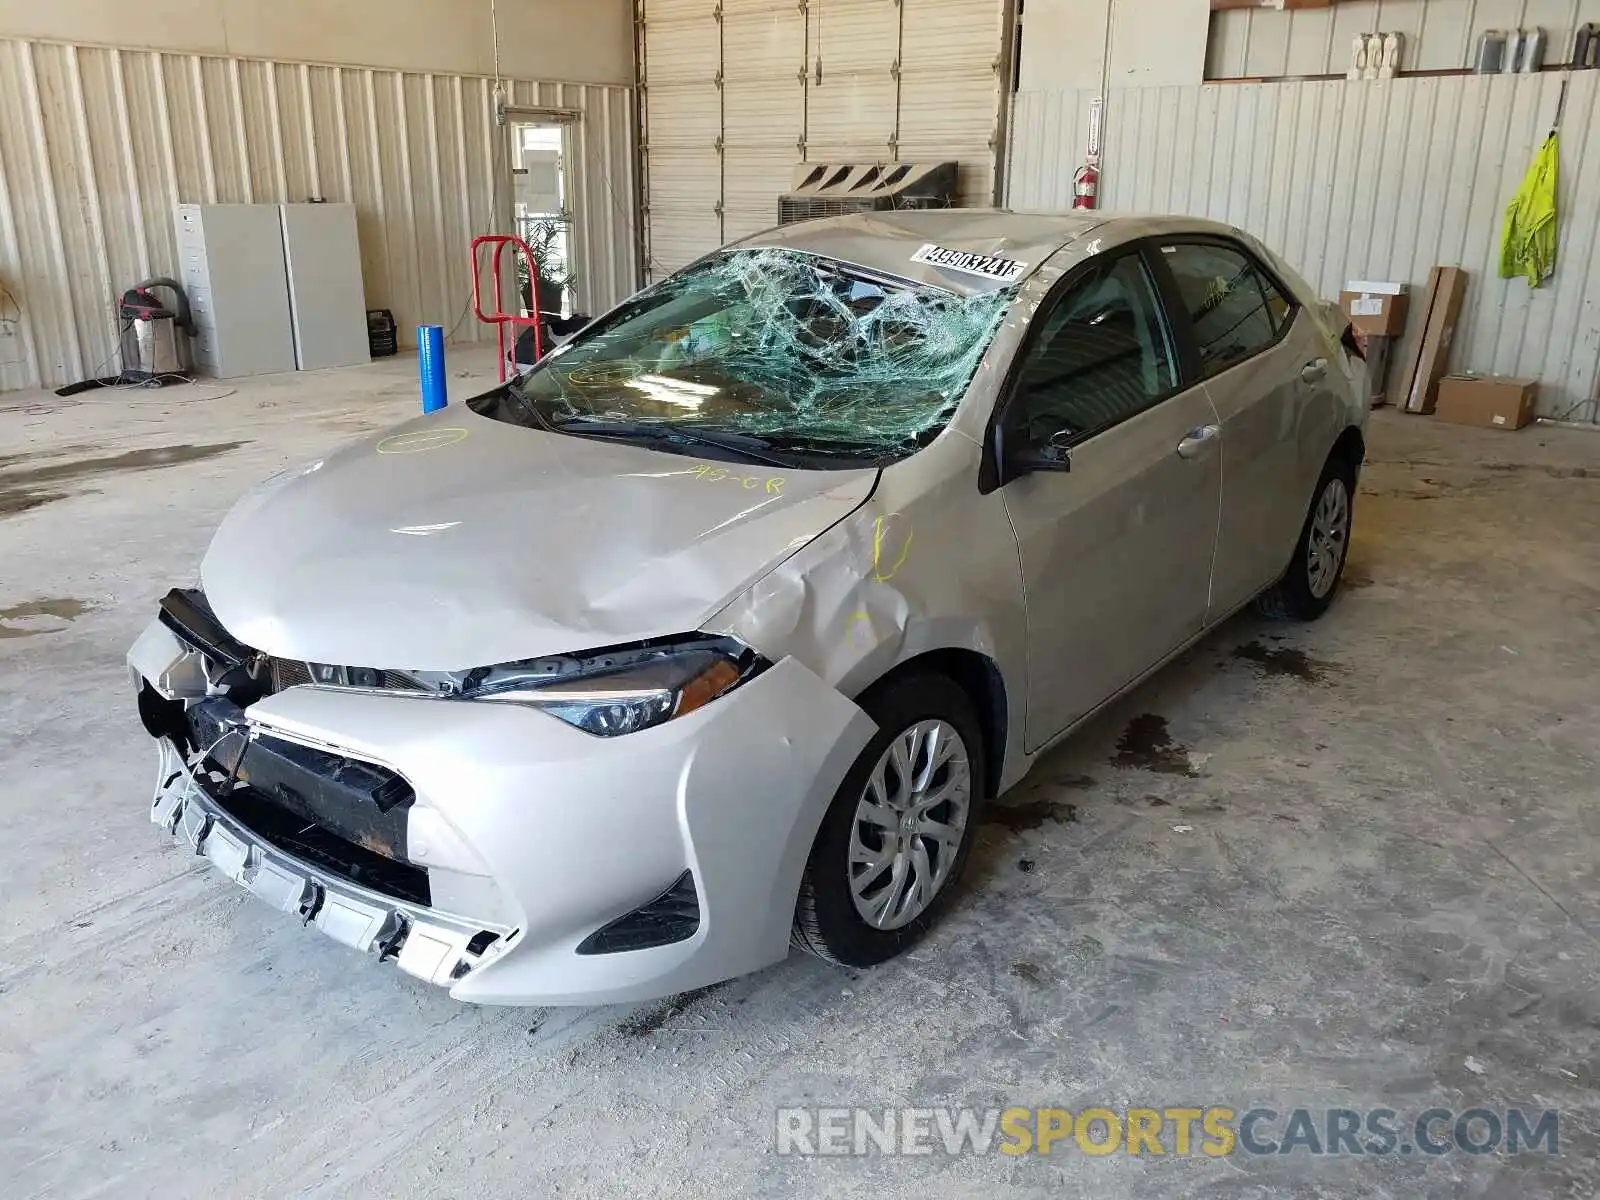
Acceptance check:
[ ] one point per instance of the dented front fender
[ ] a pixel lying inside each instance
(926, 564)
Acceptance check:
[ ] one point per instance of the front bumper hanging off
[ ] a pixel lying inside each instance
(514, 839)
(433, 946)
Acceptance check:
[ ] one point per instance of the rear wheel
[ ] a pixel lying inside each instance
(896, 837)
(1308, 586)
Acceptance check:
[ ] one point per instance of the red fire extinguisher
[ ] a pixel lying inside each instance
(1085, 186)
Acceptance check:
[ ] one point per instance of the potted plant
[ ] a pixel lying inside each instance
(547, 237)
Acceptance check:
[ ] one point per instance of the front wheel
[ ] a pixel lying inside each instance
(1308, 586)
(896, 837)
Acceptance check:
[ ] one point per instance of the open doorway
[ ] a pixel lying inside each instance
(542, 213)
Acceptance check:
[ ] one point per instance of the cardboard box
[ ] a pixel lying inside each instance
(1375, 309)
(1430, 357)
(1493, 401)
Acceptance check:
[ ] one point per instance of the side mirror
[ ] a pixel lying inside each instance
(1005, 462)
(1054, 455)
(1351, 341)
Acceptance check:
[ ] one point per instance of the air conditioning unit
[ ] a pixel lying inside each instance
(837, 189)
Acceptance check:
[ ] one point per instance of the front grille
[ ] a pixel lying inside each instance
(321, 847)
(187, 614)
(344, 815)
(289, 672)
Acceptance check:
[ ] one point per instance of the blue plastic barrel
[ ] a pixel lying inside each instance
(430, 365)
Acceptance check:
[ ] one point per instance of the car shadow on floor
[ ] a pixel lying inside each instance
(1153, 747)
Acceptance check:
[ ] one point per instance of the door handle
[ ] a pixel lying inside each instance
(1314, 370)
(1196, 439)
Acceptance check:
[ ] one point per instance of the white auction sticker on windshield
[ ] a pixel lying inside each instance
(1005, 270)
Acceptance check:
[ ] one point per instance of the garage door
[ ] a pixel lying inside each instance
(738, 92)
(764, 110)
(682, 131)
(949, 89)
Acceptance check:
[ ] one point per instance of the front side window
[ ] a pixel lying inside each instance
(768, 354)
(1101, 355)
(1236, 310)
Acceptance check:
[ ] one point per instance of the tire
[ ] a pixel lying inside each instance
(1305, 590)
(831, 915)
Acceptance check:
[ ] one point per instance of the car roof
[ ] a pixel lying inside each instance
(886, 241)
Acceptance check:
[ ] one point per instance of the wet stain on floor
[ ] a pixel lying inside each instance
(35, 486)
(1030, 973)
(1555, 472)
(1145, 744)
(10, 460)
(1018, 818)
(1284, 660)
(1075, 781)
(40, 616)
(23, 499)
(351, 424)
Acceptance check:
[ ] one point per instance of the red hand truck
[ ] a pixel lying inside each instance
(499, 318)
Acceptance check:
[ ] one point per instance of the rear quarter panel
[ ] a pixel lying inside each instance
(1342, 400)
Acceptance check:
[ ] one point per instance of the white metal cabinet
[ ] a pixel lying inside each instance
(327, 300)
(231, 266)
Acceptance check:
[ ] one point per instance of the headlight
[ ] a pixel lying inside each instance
(623, 691)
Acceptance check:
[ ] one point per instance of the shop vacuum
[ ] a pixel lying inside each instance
(154, 339)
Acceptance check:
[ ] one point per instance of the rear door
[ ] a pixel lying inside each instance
(1261, 357)
(1116, 552)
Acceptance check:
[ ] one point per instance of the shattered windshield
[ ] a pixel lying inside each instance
(769, 355)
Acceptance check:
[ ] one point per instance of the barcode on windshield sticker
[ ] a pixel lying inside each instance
(1005, 270)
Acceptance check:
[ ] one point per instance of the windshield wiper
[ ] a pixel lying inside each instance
(751, 447)
(514, 390)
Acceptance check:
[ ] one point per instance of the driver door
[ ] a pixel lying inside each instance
(1116, 549)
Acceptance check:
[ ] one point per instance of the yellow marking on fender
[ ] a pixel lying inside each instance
(856, 617)
(420, 440)
(879, 575)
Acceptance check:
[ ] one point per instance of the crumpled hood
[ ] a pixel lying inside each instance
(455, 541)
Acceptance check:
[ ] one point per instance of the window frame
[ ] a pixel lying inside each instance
(1178, 311)
(1184, 355)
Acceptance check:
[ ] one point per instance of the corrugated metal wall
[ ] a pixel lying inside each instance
(1440, 34)
(98, 145)
(1376, 180)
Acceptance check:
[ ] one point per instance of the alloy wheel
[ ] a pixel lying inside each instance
(909, 824)
(1330, 530)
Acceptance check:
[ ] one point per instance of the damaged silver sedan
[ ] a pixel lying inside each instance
(712, 633)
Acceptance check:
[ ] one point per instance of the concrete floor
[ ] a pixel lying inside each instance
(1382, 888)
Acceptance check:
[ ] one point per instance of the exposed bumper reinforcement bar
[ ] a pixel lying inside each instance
(432, 946)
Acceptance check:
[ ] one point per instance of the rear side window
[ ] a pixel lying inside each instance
(1235, 309)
